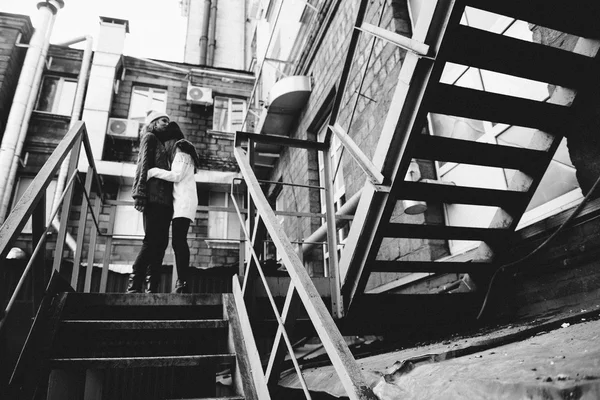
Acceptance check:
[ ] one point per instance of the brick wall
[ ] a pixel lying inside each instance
(11, 58)
(361, 115)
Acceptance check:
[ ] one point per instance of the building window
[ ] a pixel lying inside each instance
(128, 221)
(223, 226)
(22, 186)
(144, 99)
(57, 95)
(228, 114)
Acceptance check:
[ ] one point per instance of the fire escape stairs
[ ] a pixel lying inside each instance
(151, 346)
(419, 92)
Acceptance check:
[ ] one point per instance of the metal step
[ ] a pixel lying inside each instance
(580, 19)
(146, 299)
(414, 231)
(431, 266)
(139, 362)
(494, 52)
(160, 306)
(486, 106)
(468, 152)
(214, 398)
(449, 193)
(145, 324)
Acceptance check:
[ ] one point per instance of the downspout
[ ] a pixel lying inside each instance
(75, 117)
(204, 32)
(25, 94)
(212, 33)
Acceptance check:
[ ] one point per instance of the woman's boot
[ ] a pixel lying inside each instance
(180, 286)
(135, 283)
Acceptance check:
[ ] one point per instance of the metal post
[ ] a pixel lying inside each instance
(66, 208)
(334, 270)
(38, 222)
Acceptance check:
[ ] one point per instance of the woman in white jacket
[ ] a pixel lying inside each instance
(185, 200)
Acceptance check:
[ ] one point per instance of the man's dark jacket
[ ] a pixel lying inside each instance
(152, 154)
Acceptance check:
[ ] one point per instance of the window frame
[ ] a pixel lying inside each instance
(229, 125)
(227, 242)
(150, 106)
(59, 92)
(128, 209)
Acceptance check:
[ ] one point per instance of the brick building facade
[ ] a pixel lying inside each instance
(213, 237)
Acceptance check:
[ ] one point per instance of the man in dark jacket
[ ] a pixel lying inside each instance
(154, 198)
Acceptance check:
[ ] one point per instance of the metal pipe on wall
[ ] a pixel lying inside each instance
(204, 32)
(75, 113)
(212, 34)
(86, 62)
(18, 113)
(12, 173)
(321, 233)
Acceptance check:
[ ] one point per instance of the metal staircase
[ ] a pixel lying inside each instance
(160, 346)
(419, 92)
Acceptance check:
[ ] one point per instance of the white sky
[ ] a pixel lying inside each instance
(156, 27)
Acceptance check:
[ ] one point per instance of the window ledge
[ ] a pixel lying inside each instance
(49, 115)
(221, 134)
(222, 244)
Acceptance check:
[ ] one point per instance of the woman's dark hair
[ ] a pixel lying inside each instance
(173, 131)
(187, 147)
(176, 137)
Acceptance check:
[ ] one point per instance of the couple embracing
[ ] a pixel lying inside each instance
(164, 190)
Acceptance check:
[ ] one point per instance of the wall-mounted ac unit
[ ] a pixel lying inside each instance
(125, 128)
(199, 95)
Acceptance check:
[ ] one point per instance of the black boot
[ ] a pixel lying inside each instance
(135, 283)
(180, 287)
(152, 282)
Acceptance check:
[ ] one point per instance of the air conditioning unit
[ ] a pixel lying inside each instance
(199, 95)
(125, 128)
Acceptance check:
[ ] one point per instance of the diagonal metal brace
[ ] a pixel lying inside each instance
(419, 48)
(374, 175)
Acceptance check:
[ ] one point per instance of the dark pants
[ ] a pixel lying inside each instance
(157, 219)
(180, 229)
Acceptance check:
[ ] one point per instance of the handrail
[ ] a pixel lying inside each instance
(28, 202)
(39, 245)
(18, 217)
(240, 325)
(301, 283)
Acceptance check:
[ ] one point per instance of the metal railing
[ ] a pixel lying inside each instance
(32, 204)
(301, 291)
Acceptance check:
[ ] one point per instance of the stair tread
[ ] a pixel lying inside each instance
(440, 148)
(449, 193)
(416, 231)
(131, 362)
(507, 55)
(430, 266)
(144, 299)
(213, 398)
(148, 324)
(580, 19)
(486, 106)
